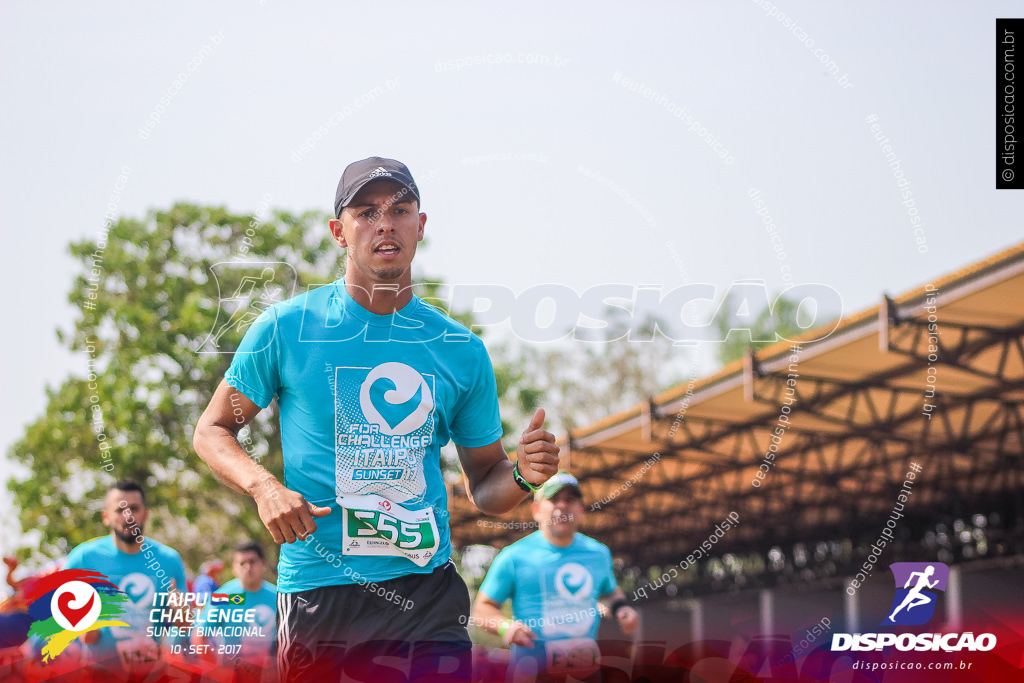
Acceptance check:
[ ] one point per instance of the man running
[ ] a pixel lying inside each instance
(141, 567)
(241, 631)
(914, 597)
(371, 382)
(555, 577)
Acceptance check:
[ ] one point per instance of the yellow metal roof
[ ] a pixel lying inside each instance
(859, 417)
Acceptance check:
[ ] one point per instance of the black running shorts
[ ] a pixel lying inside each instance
(412, 628)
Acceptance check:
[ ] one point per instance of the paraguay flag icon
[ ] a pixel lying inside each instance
(68, 603)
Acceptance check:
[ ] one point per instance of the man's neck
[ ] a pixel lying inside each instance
(560, 542)
(380, 298)
(131, 548)
(252, 587)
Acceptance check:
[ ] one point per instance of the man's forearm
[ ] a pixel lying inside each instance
(492, 486)
(219, 448)
(488, 617)
(497, 492)
(609, 599)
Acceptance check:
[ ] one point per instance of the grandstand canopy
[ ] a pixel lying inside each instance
(884, 389)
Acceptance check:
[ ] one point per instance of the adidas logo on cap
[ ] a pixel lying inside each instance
(380, 171)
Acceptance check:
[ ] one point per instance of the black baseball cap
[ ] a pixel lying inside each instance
(359, 173)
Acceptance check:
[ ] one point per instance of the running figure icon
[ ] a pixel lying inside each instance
(914, 597)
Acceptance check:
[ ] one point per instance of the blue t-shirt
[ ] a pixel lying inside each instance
(140, 576)
(251, 636)
(554, 590)
(366, 403)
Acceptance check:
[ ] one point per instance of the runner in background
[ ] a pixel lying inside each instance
(139, 566)
(560, 582)
(241, 635)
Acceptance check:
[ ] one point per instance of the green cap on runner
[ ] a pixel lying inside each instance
(556, 484)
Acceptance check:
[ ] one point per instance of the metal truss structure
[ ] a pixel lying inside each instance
(811, 444)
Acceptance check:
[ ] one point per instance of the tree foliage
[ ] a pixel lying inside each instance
(742, 326)
(158, 319)
(580, 381)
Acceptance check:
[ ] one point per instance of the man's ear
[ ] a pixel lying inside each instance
(339, 234)
(423, 222)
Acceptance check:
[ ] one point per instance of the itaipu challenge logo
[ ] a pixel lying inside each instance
(914, 603)
(69, 603)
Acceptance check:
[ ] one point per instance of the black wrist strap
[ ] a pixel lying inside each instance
(617, 605)
(521, 482)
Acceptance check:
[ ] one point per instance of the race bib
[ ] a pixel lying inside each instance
(375, 526)
(577, 656)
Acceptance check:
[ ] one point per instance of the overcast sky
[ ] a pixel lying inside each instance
(570, 143)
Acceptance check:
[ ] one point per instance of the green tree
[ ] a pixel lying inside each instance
(162, 304)
(744, 327)
(581, 380)
(163, 301)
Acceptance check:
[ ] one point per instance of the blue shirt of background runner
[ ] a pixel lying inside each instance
(554, 590)
(140, 576)
(254, 647)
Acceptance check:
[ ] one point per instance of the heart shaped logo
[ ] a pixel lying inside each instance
(396, 398)
(72, 614)
(393, 414)
(573, 581)
(138, 587)
(75, 606)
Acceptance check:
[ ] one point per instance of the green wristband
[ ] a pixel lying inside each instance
(503, 627)
(521, 482)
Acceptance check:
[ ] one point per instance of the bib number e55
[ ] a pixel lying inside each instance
(375, 526)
